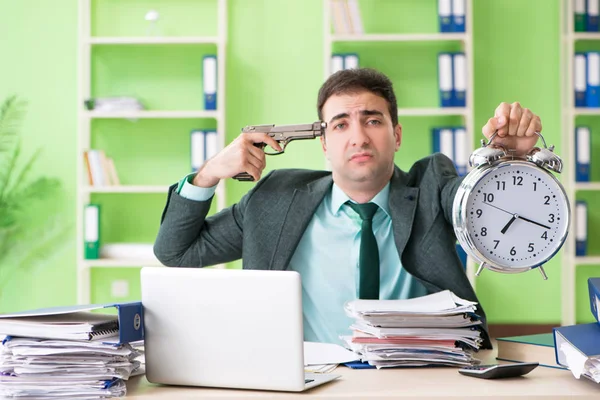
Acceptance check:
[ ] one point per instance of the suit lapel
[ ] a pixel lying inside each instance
(299, 212)
(403, 203)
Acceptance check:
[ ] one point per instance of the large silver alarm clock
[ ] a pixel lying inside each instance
(510, 213)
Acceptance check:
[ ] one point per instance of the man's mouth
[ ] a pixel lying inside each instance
(361, 157)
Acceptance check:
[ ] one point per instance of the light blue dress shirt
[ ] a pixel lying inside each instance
(327, 260)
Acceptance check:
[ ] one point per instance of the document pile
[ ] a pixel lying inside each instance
(69, 352)
(437, 329)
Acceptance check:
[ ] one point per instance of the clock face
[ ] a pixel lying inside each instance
(517, 215)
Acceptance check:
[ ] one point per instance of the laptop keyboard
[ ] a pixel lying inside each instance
(308, 380)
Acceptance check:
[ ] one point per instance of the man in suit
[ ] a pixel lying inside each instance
(310, 221)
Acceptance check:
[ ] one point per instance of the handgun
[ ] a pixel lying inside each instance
(283, 134)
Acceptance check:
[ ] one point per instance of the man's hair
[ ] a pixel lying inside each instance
(355, 81)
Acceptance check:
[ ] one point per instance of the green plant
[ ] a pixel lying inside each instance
(30, 229)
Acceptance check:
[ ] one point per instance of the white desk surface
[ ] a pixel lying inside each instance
(419, 383)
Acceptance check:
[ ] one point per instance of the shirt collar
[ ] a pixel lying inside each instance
(338, 198)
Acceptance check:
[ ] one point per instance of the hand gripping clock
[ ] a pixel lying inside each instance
(510, 213)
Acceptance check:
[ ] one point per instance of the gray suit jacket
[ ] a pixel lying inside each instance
(266, 225)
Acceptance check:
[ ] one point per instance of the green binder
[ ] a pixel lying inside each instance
(91, 231)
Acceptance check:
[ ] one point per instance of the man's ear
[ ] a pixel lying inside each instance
(398, 136)
(324, 144)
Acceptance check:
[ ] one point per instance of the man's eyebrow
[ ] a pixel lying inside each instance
(362, 112)
(371, 112)
(339, 116)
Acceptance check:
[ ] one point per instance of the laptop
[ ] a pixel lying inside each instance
(225, 328)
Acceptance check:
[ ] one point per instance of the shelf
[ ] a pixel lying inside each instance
(587, 185)
(154, 40)
(153, 114)
(433, 111)
(587, 260)
(586, 36)
(405, 37)
(125, 189)
(586, 111)
(121, 262)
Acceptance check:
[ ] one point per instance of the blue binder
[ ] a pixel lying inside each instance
(582, 153)
(130, 327)
(580, 79)
(459, 79)
(594, 291)
(592, 93)
(445, 81)
(584, 338)
(580, 228)
(458, 15)
(445, 15)
(592, 15)
(209, 72)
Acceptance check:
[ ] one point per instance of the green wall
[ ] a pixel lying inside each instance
(274, 69)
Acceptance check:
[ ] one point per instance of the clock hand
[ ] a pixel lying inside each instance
(533, 222)
(503, 231)
(498, 208)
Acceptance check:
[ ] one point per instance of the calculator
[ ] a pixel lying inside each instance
(496, 371)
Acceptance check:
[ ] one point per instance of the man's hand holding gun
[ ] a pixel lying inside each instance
(244, 158)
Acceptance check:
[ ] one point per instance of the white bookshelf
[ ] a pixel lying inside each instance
(466, 41)
(85, 118)
(569, 259)
(154, 40)
(409, 37)
(155, 114)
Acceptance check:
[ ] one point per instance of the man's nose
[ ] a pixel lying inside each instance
(359, 135)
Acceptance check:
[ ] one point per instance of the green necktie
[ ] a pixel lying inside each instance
(368, 261)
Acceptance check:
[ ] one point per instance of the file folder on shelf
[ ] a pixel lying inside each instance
(197, 149)
(579, 79)
(445, 81)
(461, 156)
(443, 142)
(592, 15)
(592, 93)
(580, 228)
(91, 231)
(78, 323)
(594, 291)
(582, 153)
(337, 63)
(351, 61)
(458, 15)
(445, 15)
(579, 15)
(211, 144)
(459, 75)
(209, 70)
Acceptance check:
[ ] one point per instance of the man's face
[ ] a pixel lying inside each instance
(360, 140)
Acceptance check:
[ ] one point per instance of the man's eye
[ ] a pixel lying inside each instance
(374, 122)
(339, 126)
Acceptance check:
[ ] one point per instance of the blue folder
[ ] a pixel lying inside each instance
(584, 338)
(129, 316)
(594, 290)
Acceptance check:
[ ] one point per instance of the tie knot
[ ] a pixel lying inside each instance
(366, 210)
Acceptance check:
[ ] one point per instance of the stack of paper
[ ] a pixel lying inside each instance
(70, 352)
(438, 329)
(64, 368)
